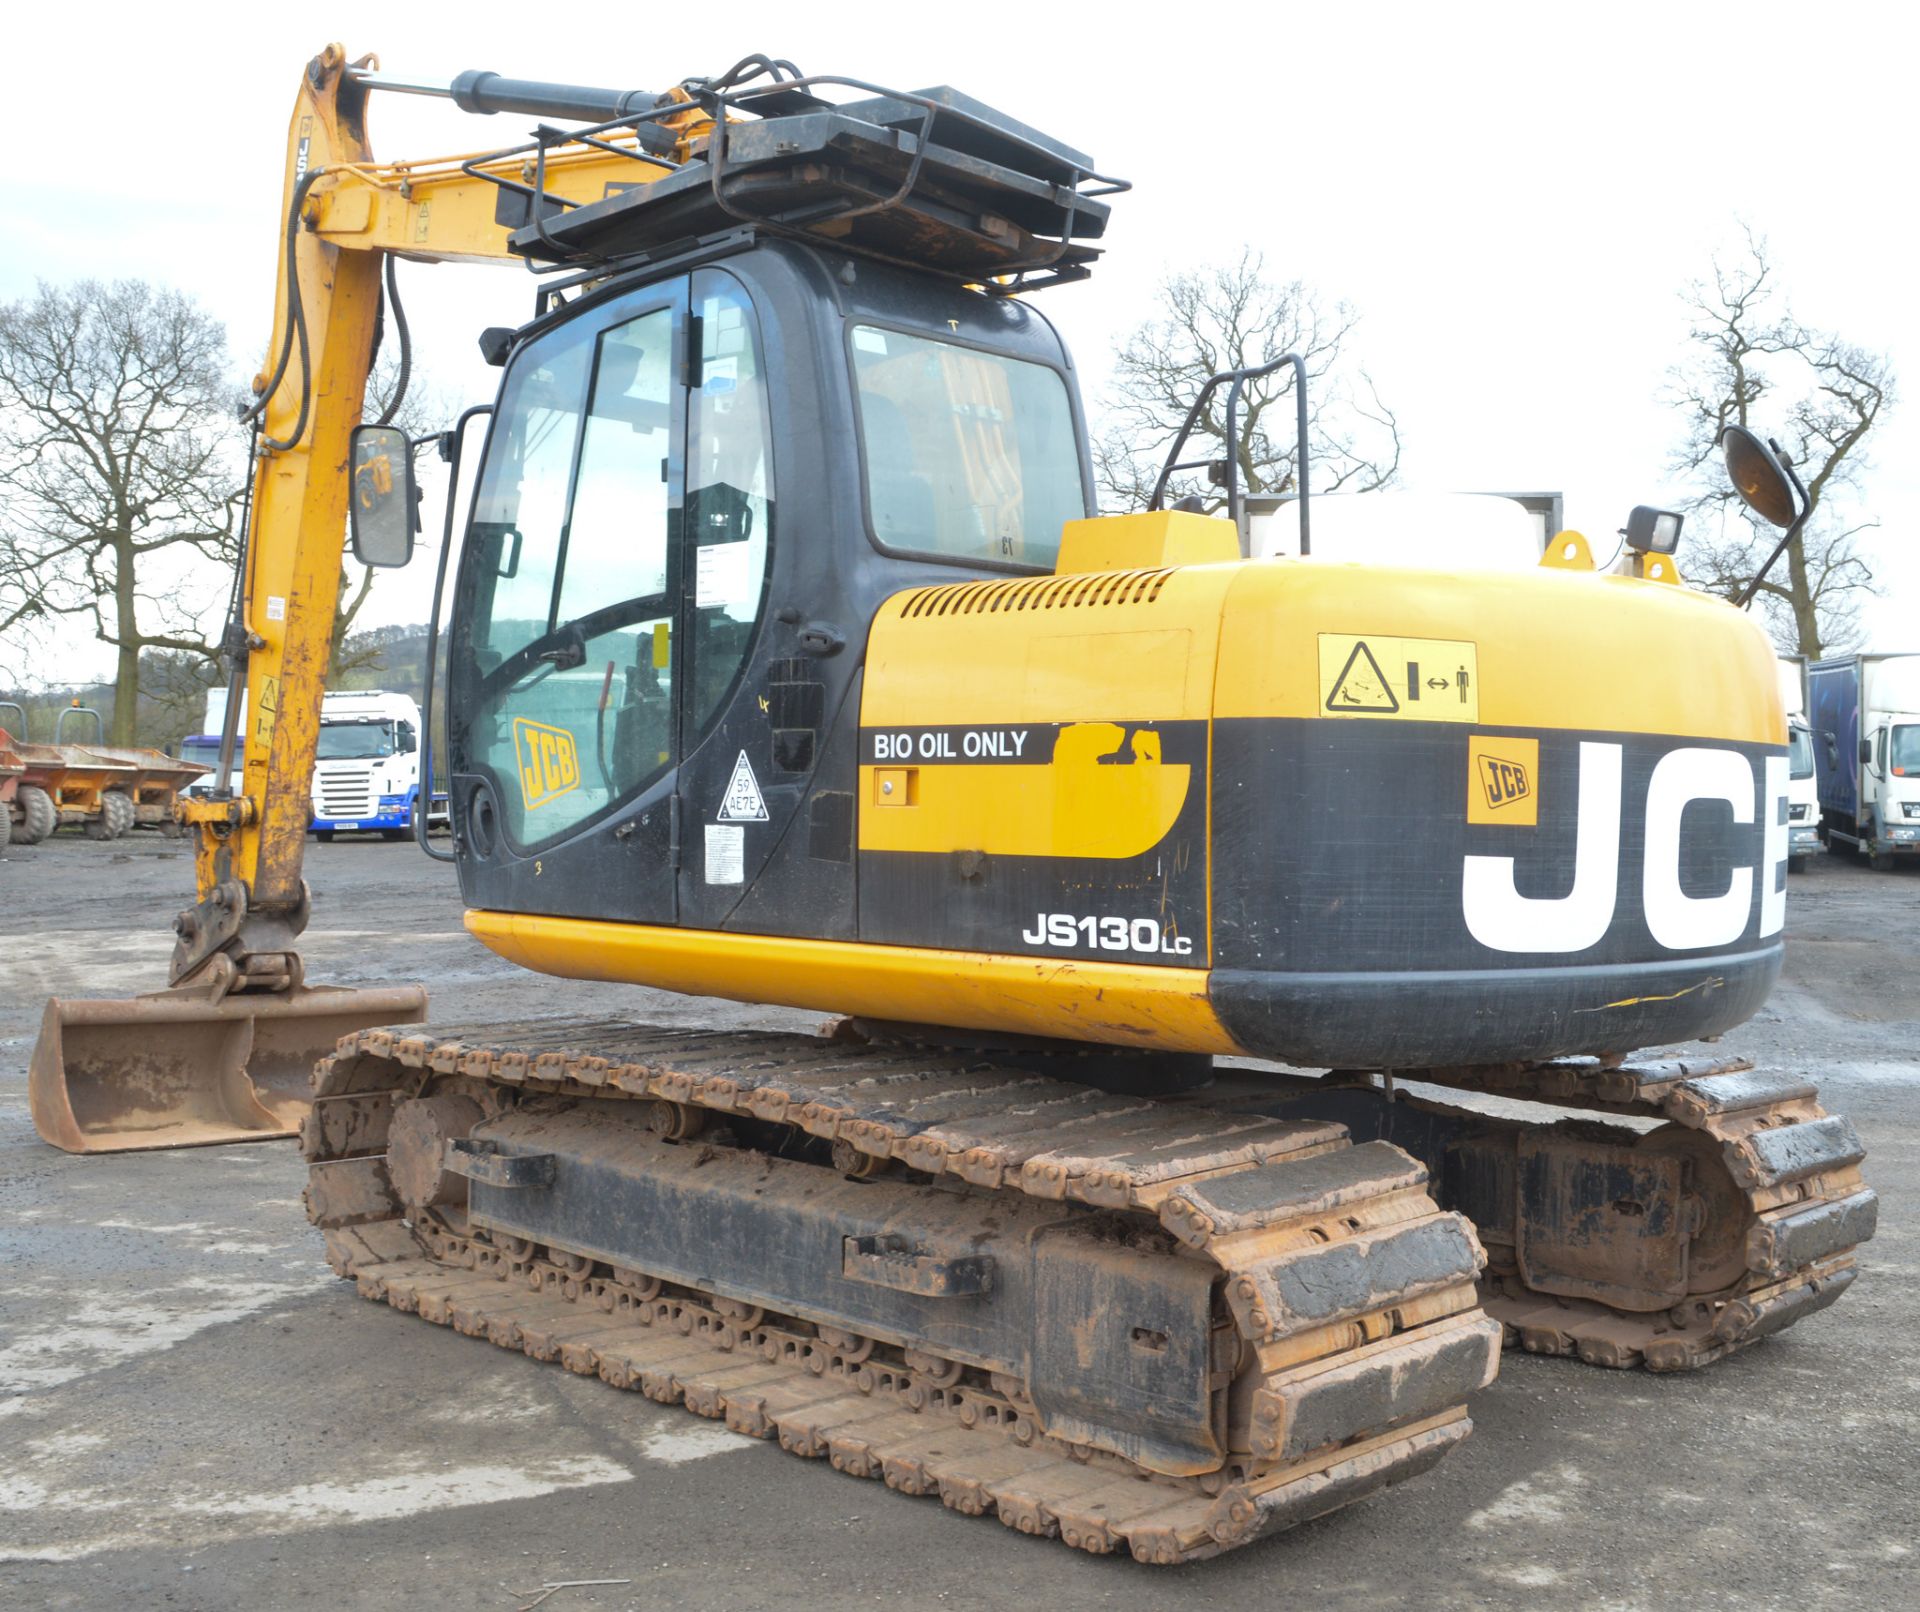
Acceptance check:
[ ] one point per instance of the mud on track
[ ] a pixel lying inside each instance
(195, 1413)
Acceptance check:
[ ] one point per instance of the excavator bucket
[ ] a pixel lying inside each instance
(178, 1069)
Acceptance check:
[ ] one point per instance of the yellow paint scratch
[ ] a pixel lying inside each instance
(1671, 996)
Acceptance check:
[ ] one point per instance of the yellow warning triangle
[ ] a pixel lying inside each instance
(1361, 685)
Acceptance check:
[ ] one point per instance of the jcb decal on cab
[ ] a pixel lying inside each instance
(1502, 919)
(548, 759)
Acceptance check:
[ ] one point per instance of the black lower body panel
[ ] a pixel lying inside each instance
(1414, 1020)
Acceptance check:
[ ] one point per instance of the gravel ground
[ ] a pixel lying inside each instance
(194, 1413)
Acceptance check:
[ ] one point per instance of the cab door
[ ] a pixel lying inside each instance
(737, 800)
(564, 657)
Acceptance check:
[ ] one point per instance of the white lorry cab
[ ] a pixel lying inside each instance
(1803, 795)
(1865, 715)
(366, 772)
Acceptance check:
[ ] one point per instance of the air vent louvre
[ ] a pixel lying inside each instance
(1091, 588)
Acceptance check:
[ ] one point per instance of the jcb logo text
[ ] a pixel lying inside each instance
(549, 761)
(1680, 919)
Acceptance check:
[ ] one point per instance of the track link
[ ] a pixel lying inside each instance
(1778, 1173)
(1668, 1250)
(1346, 1333)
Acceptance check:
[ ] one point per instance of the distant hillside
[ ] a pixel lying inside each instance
(392, 658)
(173, 690)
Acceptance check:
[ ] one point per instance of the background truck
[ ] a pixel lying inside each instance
(1803, 797)
(1866, 751)
(205, 749)
(367, 771)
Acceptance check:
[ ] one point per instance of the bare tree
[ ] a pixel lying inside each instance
(117, 450)
(173, 695)
(1751, 363)
(1234, 317)
(21, 616)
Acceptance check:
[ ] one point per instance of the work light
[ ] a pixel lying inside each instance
(1653, 531)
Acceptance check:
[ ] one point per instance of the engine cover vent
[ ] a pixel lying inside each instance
(1038, 593)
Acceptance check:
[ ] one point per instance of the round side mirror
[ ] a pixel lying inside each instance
(1757, 476)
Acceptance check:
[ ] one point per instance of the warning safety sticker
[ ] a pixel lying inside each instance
(743, 802)
(1403, 679)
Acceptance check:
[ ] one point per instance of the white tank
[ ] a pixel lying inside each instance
(1434, 531)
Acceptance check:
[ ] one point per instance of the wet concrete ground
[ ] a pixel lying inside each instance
(194, 1413)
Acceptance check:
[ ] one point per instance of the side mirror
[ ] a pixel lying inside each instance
(1866, 752)
(408, 744)
(1757, 476)
(381, 514)
(1767, 487)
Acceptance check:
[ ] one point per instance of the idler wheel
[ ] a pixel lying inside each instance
(417, 1144)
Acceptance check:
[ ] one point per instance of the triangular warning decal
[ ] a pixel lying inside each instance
(1361, 685)
(743, 803)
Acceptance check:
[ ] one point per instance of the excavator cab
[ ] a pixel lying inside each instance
(696, 492)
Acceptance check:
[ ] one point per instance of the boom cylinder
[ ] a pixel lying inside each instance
(488, 93)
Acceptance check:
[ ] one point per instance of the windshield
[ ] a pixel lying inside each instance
(969, 455)
(205, 751)
(1799, 753)
(1903, 755)
(360, 740)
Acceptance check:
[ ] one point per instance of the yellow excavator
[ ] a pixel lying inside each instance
(786, 661)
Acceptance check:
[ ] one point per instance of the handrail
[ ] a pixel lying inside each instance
(99, 723)
(1237, 378)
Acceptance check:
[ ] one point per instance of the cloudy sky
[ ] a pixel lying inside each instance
(1511, 196)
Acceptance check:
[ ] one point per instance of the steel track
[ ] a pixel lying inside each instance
(1345, 1295)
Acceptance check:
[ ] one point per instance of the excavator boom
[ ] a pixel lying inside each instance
(226, 1052)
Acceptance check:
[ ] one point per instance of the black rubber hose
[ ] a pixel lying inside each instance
(296, 309)
(406, 345)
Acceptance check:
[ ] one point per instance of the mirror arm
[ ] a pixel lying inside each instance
(1793, 531)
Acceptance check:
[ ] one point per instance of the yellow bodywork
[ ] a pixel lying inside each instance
(1555, 648)
(1118, 1004)
(1084, 652)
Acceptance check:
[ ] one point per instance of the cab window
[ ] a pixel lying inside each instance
(729, 507)
(1799, 753)
(969, 455)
